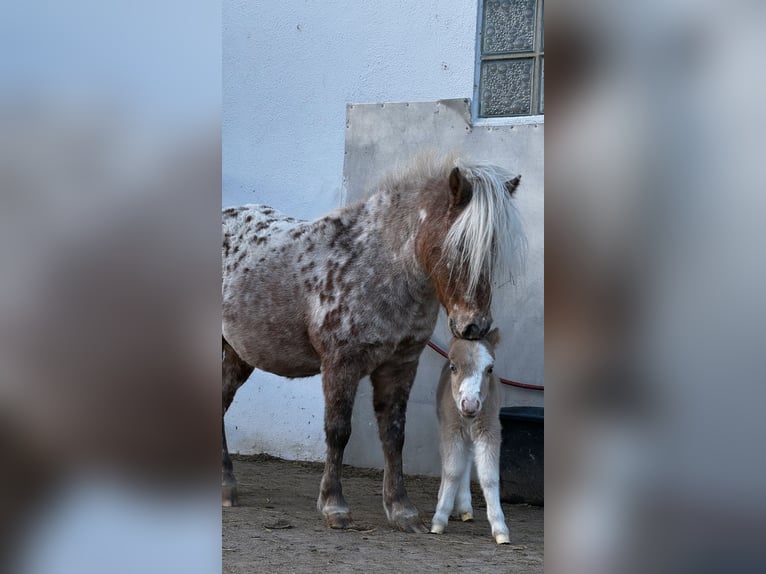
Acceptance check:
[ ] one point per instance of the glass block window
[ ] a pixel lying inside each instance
(511, 53)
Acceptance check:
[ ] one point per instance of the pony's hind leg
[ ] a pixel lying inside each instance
(339, 392)
(391, 386)
(229, 496)
(234, 373)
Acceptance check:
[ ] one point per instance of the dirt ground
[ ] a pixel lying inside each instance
(277, 528)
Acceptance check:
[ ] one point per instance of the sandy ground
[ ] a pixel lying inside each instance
(277, 529)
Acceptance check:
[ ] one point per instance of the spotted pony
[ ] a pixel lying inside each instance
(357, 291)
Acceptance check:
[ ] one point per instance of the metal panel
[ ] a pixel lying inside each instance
(382, 136)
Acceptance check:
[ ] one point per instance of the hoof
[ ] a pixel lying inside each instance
(437, 529)
(411, 524)
(229, 496)
(466, 517)
(338, 520)
(502, 538)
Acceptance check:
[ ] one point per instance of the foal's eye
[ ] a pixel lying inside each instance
(452, 367)
(490, 368)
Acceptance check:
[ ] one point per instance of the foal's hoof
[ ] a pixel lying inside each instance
(502, 538)
(437, 528)
(229, 496)
(338, 520)
(466, 517)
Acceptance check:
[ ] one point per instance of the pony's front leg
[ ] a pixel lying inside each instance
(339, 393)
(391, 386)
(488, 468)
(454, 463)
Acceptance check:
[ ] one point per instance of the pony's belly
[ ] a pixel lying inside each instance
(281, 351)
(294, 367)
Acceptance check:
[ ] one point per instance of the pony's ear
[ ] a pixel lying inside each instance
(493, 337)
(512, 184)
(460, 189)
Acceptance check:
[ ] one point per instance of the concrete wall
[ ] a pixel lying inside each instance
(290, 68)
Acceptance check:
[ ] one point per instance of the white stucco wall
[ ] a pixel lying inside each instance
(289, 69)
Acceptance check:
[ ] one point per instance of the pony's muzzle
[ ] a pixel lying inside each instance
(471, 331)
(472, 328)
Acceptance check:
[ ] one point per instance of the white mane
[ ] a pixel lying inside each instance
(488, 236)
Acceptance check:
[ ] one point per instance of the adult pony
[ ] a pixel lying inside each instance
(357, 293)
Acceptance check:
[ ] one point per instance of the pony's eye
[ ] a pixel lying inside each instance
(452, 367)
(490, 368)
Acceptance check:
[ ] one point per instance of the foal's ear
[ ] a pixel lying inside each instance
(460, 189)
(493, 337)
(512, 184)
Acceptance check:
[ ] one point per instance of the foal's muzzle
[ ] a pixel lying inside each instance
(469, 407)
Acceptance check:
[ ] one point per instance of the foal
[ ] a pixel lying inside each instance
(468, 409)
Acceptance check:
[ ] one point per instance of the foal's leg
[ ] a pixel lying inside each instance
(488, 468)
(455, 459)
(391, 386)
(235, 372)
(463, 507)
(339, 391)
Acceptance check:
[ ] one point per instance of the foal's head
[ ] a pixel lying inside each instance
(469, 231)
(471, 364)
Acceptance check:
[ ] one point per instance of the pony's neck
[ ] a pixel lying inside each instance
(389, 213)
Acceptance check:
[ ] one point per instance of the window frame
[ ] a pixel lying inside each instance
(537, 74)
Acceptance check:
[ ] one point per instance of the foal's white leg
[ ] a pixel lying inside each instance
(488, 469)
(454, 461)
(463, 508)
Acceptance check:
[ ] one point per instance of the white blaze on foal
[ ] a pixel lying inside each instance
(468, 409)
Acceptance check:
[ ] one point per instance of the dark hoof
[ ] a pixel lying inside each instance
(229, 496)
(339, 520)
(411, 523)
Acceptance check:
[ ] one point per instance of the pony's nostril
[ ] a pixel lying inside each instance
(471, 331)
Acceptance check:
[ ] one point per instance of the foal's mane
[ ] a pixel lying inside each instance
(487, 239)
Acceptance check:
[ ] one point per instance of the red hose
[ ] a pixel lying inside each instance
(443, 353)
